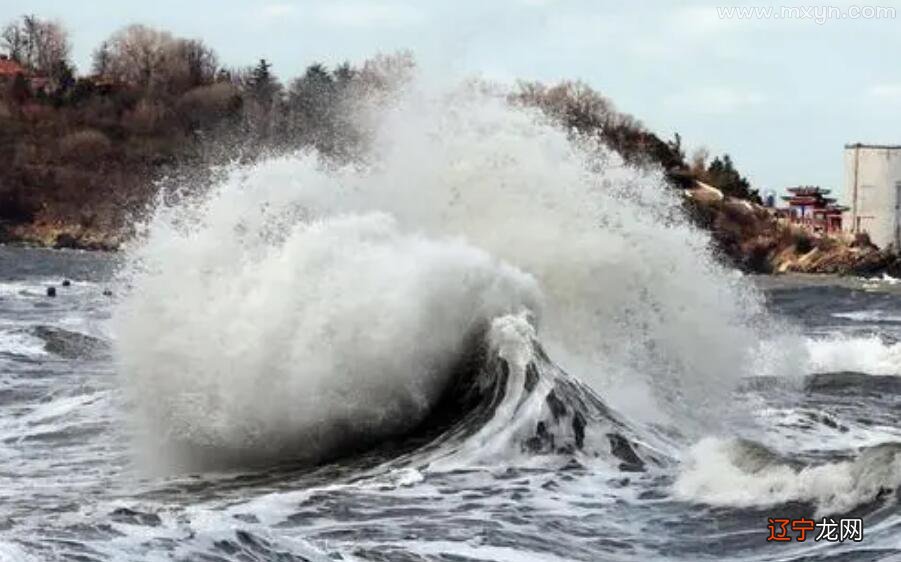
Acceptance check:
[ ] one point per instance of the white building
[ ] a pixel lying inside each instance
(873, 192)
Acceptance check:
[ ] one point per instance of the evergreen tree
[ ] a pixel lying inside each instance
(722, 174)
(344, 74)
(63, 76)
(264, 86)
(312, 101)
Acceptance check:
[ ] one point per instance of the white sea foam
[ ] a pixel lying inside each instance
(17, 341)
(868, 316)
(885, 278)
(869, 355)
(10, 552)
(294, 303)
(791, 355)
(734, 473)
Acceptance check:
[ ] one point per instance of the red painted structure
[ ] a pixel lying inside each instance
(9, 68)
(809, 207)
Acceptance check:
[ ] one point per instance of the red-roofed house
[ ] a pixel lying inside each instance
(9, 68)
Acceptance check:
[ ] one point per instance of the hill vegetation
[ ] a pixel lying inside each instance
(81, 153)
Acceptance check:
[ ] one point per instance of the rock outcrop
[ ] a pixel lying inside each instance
(754, 239)
(50, 233)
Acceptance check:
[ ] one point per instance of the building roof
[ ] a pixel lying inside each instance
(799, 198)
(807, 190)
(10, 67)
(877, 146)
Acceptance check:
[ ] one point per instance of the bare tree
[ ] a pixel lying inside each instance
(14, 41)
(698, 162)
(135, 54)
(199, 61)
(154, 60)
(42, 46)
(52, 48)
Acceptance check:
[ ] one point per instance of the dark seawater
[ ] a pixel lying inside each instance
(823, 440)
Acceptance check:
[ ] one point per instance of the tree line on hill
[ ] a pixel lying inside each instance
(84, 150)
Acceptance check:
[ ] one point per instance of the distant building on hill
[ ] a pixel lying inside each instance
(809, 206)
(34, 82)
(873, 191)
(9, 69)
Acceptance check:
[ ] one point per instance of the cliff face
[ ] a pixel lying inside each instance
(753, 239)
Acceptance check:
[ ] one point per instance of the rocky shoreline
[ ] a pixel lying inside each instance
(747, 235)
(60, 235)
(752, 238)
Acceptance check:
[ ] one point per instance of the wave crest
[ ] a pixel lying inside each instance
(740, 473)
(298, 309)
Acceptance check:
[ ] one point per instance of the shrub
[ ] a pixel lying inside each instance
(147, 117)
(802, 241)
(85, 146)
(207, 105)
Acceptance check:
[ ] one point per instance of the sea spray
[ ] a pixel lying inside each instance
(288, 356)
(297, 310)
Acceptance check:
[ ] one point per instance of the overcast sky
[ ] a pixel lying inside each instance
(782, 96)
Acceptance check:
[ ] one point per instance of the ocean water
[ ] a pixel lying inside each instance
(488, 342)
(477, 483)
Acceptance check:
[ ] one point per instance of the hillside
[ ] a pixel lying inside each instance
(83, 156)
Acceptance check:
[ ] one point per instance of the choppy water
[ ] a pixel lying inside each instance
(70, 488)
(490, 341)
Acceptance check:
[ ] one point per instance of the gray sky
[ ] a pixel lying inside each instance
(781, 95)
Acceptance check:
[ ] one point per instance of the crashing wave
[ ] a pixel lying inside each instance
(513, 401)
(739, 473)
(299, 312)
